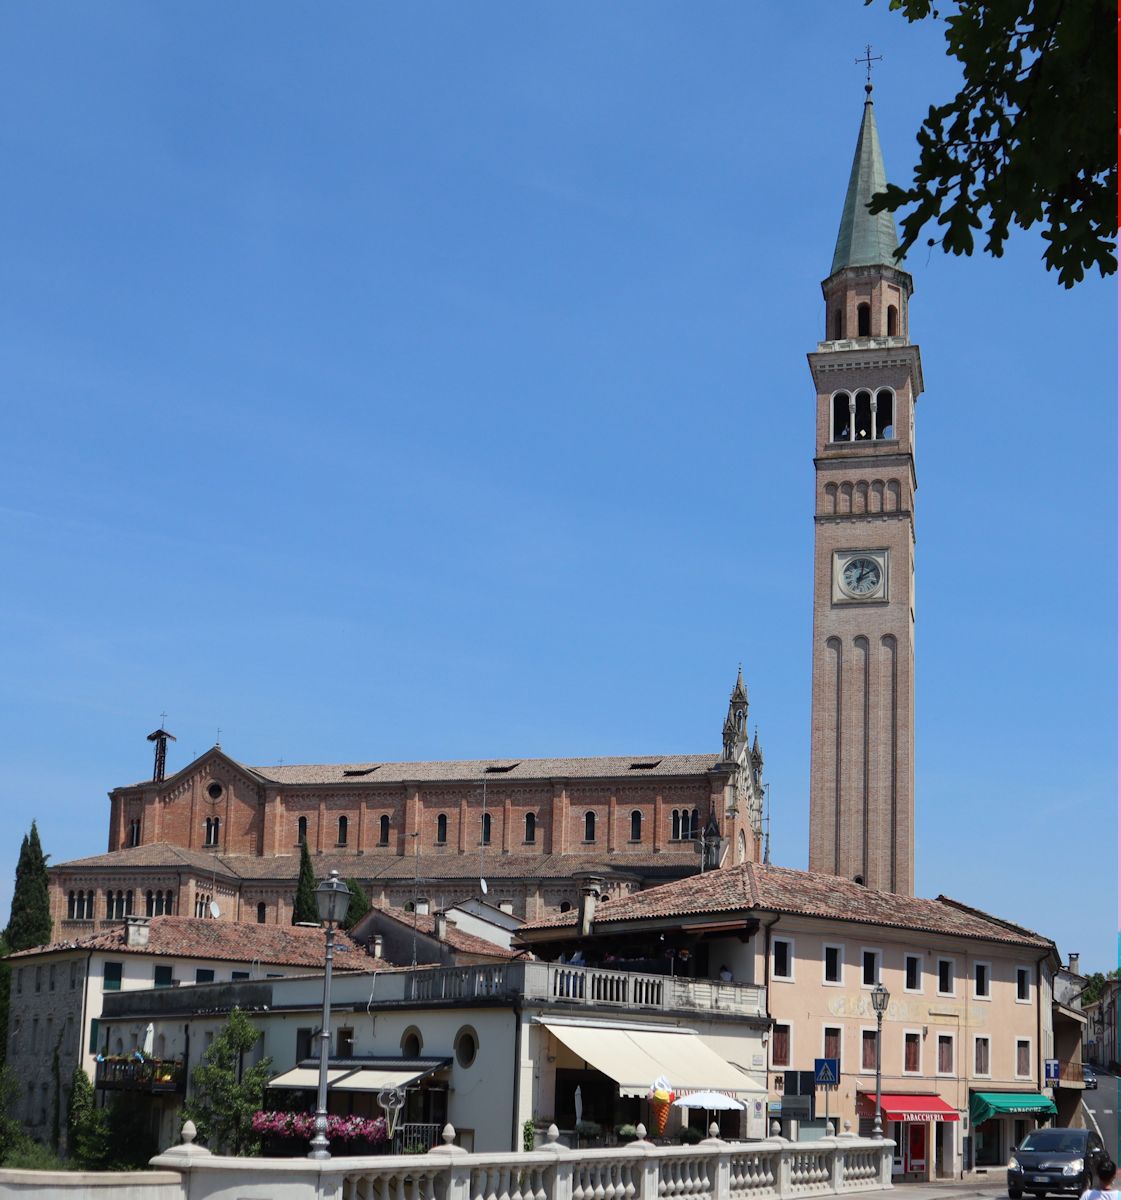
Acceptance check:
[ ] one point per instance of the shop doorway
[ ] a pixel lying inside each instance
(914, 1161)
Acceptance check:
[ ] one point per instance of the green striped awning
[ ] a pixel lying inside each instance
(983, 1105)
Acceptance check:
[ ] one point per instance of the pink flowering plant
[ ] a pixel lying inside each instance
(302, 1125)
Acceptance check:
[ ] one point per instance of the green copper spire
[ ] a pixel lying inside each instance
(865, 240)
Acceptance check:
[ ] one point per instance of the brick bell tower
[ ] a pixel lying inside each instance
(868, 377)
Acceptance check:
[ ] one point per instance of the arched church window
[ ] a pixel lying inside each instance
(589, 827)
(741, 848)
(70, 907)
(301, 831)
(885, 414)
(167, 905)
(128, 903)
(863, 320)
(842, 429)
(838, 326)
(441, 829)
(343, 830)
(383, 831)
(486, 829)
(150, 903)
(892, 321)
(565, 906)
(675, 826)
(262, 913)
(531, 827)
(694, 823)
(636, 826)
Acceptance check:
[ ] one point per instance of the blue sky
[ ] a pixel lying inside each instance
(429, 382)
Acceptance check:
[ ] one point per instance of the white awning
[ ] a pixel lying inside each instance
(305, 1077)
(634, 1058)
(373, 1079)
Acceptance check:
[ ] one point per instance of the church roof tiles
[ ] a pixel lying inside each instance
(498, 769)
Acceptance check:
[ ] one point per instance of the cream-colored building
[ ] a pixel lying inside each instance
(968, 1024)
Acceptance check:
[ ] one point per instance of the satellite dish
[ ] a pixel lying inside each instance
(215, 911)
(483, 885)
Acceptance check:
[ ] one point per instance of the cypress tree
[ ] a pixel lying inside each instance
(359, 904)
(304, 908)
(30, 921)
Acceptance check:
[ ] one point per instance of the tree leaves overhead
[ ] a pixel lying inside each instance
(1029, 138)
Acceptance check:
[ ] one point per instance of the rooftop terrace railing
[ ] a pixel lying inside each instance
(580, 986)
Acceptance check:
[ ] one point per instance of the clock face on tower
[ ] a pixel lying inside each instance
(859, 575)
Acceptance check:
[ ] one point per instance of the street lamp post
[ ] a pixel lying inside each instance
(880, 998)
(332, 899)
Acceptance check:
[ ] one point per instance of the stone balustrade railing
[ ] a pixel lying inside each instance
(712, 1170)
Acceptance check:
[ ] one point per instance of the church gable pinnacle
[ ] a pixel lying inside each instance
(863, 239)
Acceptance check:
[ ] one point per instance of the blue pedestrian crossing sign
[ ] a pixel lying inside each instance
(827, 1072)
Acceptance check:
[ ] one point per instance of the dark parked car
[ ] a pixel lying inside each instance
(1089, 1076)
(1055, 1160)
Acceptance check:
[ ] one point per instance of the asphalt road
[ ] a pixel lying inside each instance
(1103, 1103)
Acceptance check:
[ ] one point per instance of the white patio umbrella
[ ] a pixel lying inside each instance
(579, 1104)
(710, 1101)
(149, 1039)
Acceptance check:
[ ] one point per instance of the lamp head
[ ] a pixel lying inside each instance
(332, 899)
(880, 997)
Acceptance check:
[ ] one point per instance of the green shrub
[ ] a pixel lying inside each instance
(528, 1136)
(626, 1133)
(28, 1155)
(689, 1136)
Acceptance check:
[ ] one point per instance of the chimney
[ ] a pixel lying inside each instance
(377, 945)
(589, 894)
(506, 906)
(1074, 962)
(441, 920)
(136, 932)
(422, 906)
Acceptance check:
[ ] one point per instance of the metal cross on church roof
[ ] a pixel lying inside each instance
(868, 60)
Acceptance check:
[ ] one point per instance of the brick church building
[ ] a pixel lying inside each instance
(222, 839)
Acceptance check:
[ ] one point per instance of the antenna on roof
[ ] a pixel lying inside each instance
(161, 737)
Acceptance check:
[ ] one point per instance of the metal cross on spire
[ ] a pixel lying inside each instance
(868, 60)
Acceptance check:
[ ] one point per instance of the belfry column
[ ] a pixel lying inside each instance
(868, 377)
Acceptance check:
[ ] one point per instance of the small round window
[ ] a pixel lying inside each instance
(466, 1047)
(411, 1044)
(214, 791)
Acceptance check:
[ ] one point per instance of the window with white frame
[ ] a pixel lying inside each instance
(832, 960)
(867, 1049)
(782, 958)
(831, 1039)
(780, 1046)
(912, 973)
(945, 1054)
(1023, 1058)
(912, 1052)
(945, 977)
(982, 980)
(1023, 985)
(870, 967)
(981, 1065)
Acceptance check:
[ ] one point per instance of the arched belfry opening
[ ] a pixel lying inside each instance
(892, 321)
(863, 320)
